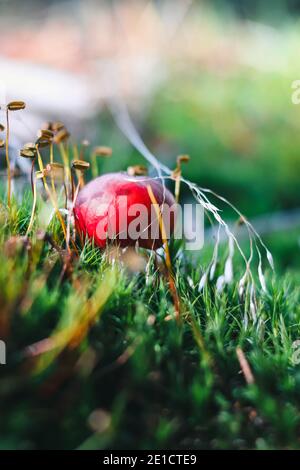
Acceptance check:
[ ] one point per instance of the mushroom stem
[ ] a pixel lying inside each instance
(7, 160)
(177, 174)
(29, 228)
(94, 165)
(177, 186)
(51, 175)
(72, 183)
(80, 177)
(52, 199)
(51, 153)
(70, 213)
(31, 176)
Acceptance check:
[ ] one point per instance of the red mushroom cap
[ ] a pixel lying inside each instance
(118, 207)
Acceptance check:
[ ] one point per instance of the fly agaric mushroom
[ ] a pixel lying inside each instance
(119, 207)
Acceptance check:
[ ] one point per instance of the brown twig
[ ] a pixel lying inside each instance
(167, 252)
(245, 366)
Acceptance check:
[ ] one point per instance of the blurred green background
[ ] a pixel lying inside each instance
(231, 110)
(212, 79)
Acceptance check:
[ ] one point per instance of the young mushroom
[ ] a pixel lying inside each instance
(61, 136)
(102, 152)
(112, 205)
(80, 166)
(29, 151)
(177, 174)
(137, 170)
(12, 106)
